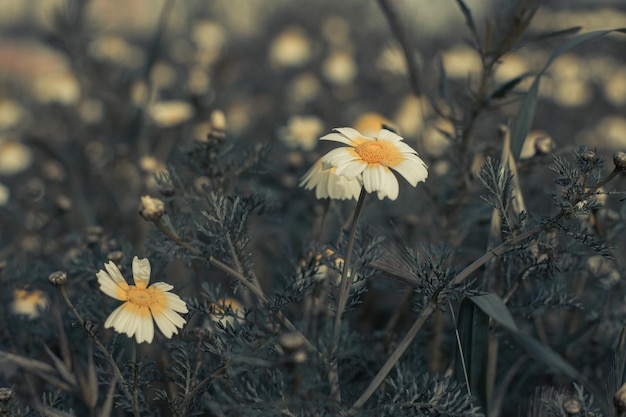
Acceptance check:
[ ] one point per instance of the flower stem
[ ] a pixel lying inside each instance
(430, 309)
(103, 349)
(346, 281)
(344, 292)
(135, 380)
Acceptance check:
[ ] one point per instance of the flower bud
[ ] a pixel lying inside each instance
(619, 159)
(58, 278)
(6, 394)
(572, 406)
(152, 209)
(115, 256)
(588, 155)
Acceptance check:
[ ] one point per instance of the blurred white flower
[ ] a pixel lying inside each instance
(291, 48)
(28, 303)
(302, 132)
(170, 113)
(14, 157)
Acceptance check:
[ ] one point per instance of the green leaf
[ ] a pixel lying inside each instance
(467, 13)
(494, 307)
(474, 346)
(503, 89)
(523, 120)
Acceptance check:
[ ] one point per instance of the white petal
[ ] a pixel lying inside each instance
(141, 272)
(389, 136)
(110, 287)
(404, 148)
(413, 170)
(168, 322)
(352, 170)
(175, 303)
(338, 137)
(339, 156)
(145, 329)
(163, 286)
(114, 272)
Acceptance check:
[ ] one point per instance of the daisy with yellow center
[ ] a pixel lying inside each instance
(143, 305)
(328, 184)
(371, 159)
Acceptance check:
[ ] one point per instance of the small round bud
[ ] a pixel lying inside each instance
(588, 155)
(63, 203)
(93, 234)
(218, 126)
(544, 146)
(572, 406)
(6, 394)
(291, 341)
(167, 189)
(619, 159)
(3, 264)
(58, 278)
(619, 400)
(115, 256)
(152, 209)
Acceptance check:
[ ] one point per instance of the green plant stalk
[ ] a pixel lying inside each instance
(346, 282)
(103, 349)
(135, 380)
(430, 308)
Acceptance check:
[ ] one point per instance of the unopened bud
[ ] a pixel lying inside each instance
(63, 203)
(94, 233)
(572, 406)
(6, 394)
(291, 341)
(58, 278)
(619, 159)
(152, 209)
(588, 155)
(218, 126)
(544, 146)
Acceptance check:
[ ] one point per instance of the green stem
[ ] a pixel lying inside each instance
(135, 380)
(103, 349)
(430, 309)
(346, 281)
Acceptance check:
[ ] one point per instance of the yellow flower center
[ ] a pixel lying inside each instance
(377, 152)
(141, 296)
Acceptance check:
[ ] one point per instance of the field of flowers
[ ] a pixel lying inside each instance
(288, 208)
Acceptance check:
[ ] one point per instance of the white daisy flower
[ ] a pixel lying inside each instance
(143, 303)
(369, 159)
(328, 184)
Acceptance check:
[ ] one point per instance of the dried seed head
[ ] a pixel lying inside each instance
(6, 394)
(619, 159)
(152, 209)
(588, 155)
(58, 278)
(572, 406)
(619, 400)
